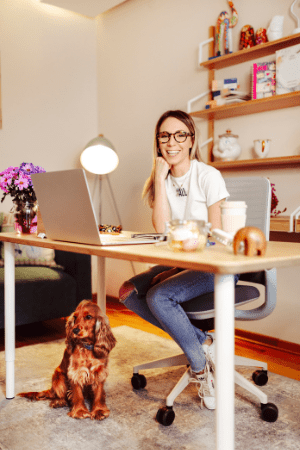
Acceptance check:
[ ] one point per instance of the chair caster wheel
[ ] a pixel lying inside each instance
(165, 416)
(138, 381)
(260, 377)
(269, 412)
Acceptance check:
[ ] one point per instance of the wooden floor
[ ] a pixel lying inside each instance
(280, 361)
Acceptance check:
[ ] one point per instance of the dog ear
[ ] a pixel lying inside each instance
(104, 338)
(69, 326)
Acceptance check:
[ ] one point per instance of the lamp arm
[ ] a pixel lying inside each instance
(114, 200)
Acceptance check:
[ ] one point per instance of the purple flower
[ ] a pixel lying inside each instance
(27, 168)
(39, 169)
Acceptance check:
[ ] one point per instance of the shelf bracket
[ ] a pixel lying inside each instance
(189, 103)
(206, 142)
(201, 46)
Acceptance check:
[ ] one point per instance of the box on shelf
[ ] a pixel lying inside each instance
(288, 70)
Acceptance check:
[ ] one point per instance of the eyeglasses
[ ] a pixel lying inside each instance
(179, 136)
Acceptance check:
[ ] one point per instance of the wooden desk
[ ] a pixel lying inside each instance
(216, 259)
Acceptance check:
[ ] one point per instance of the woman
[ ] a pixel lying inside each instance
(179, 187)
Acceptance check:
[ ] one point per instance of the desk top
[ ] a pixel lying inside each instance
(215, 259)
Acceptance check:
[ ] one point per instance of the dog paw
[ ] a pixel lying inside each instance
(81, 413)
(58, 403)
(100, 414)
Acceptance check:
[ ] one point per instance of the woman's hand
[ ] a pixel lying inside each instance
(161, 209)
(161, 169)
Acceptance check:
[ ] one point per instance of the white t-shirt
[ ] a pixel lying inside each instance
(204, 186)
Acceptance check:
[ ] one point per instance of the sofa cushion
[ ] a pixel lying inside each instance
(46, 287)
(26, 254)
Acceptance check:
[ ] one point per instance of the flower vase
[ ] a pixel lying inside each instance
(25, 217)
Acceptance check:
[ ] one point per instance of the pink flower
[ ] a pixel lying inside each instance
(22, 182)
(5, 180)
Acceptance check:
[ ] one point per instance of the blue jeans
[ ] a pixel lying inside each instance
(161, 305)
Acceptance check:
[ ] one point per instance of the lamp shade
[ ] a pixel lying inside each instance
(99, 156)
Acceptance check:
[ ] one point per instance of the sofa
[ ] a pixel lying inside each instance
(49, 283)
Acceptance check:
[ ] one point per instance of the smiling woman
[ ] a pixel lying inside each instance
(180, 187)
(180, 184)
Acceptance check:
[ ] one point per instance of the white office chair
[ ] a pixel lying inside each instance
(256, 192)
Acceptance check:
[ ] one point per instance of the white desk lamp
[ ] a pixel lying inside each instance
(99, 157)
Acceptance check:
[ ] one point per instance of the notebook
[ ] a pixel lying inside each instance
(68, 214)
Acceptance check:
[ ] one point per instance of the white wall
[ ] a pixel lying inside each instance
(48, 83)
(147, 52)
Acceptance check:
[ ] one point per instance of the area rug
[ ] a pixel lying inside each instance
(26, 425)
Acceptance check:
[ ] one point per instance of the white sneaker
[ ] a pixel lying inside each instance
(209, 351)
(206, 389)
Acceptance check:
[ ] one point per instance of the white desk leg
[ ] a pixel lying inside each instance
(101, 289)
(224, 327)
(9, 300)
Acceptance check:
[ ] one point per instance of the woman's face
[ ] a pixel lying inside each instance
(173, 152)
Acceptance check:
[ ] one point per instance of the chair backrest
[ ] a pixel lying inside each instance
(256, 192)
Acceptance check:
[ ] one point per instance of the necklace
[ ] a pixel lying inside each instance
(180, 191)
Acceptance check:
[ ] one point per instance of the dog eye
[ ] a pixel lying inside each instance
(88, 317)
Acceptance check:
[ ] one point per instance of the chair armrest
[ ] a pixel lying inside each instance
(77, 265)
(267, 278)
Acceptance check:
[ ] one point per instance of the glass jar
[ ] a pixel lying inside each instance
(25, 217)
(187, 235)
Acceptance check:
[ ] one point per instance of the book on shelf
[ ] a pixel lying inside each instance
(226, 92)
(263, 80)
(288, 70)
(236, 97)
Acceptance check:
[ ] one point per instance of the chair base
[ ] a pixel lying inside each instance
(181, 359)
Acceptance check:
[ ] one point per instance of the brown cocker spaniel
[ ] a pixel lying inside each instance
(84, 367)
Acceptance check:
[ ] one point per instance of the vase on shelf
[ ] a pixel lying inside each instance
(25, 214)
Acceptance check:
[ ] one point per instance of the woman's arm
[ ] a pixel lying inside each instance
(161, 210)
(214, 215)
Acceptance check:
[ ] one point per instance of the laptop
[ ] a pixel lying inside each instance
(68, 214)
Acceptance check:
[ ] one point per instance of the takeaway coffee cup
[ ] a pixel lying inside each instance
(233, 216)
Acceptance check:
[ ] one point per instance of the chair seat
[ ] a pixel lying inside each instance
(202, 307)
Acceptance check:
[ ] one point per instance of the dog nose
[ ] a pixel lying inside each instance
(76, 331)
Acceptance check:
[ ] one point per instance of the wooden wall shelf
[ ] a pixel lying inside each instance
(248, 54)
(250, 107)
(270, 163)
